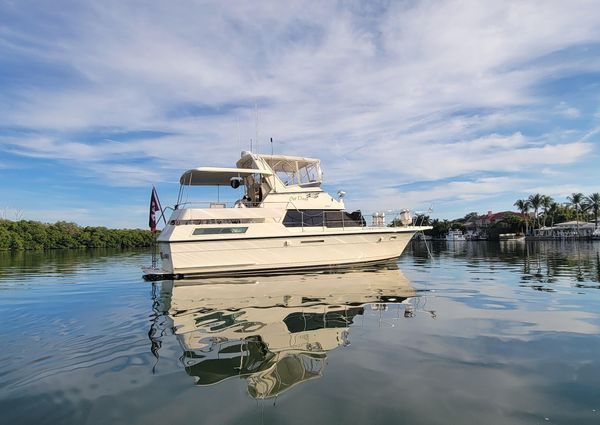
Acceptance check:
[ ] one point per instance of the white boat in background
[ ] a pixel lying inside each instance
(511, 237)
(455, 236)
(284, 221)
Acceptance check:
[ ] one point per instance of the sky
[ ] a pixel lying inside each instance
(456, 105)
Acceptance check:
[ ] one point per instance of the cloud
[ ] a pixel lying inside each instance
(79, 215)
(567, 111)
(454, 192)
(387, 94)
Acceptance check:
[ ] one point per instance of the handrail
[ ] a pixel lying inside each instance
(198, 202)
(289, 202)
(162, 214)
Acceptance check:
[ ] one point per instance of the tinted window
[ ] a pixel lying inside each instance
(218, 230)
(314, 218)
(311, 218)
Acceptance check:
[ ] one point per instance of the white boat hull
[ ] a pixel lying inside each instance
(308, 250)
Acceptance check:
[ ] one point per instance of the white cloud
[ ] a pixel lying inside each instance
(567, 111)
(421, 91)
(562, 191)
(77, 215)
(441, 194)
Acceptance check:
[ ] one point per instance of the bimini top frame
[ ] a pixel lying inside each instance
(215, 176)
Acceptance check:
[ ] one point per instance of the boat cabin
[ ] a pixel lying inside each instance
(277, 189)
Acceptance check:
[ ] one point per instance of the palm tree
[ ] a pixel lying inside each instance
(547, 202)
(576, 199)
(536, 202)
(552, 210)
(523, 206)
(593, 202)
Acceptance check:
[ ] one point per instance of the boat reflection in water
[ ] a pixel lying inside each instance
(274, 331)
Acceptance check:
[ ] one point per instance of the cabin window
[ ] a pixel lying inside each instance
(218, 230)
(343, 219)
(318, 218)
(216, 221)
(306, 218)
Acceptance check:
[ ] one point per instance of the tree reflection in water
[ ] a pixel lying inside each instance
(542, 263)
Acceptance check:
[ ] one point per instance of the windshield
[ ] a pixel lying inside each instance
(302, 173)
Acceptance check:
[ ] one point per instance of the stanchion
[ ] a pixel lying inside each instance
(154, 256)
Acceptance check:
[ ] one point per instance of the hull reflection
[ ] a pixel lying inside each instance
(274, 331)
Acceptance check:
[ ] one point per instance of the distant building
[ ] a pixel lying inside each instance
(567, 230)
(483, 222)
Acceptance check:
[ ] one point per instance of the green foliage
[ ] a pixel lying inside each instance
(470, 215)
(422, 220)
(579, 207)
(592, 204)
(513, 223)
(33, 235)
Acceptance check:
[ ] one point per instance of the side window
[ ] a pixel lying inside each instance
(218, 230)
(314, 218)
(293, 218)
(334, 218)
(306, 218)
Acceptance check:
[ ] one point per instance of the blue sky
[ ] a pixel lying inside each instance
(466, 105)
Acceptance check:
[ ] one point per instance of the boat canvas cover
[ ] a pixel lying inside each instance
(283, 162)
(215, 176)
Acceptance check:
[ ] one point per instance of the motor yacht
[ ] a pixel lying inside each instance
(455, 236)
(283, 221)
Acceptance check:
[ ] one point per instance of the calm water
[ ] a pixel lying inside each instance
(479, 333)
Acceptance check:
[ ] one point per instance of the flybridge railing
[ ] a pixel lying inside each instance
(203, 204)
(233, 204)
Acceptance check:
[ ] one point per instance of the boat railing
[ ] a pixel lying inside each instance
(202, 204)
(233, 204)
(304, 223)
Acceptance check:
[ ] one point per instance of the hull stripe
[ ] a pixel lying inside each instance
(285, 270)
(313, 235)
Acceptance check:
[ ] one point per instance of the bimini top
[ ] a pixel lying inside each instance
(215, 176)
(283, 162)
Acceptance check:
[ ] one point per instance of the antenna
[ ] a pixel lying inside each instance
(256, 126)
(271, 146)
(250, 145)
(238, 132)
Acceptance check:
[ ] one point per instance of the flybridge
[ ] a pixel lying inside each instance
(280, 171)
(284, 179)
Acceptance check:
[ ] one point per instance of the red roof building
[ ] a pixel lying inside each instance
(486, 220)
